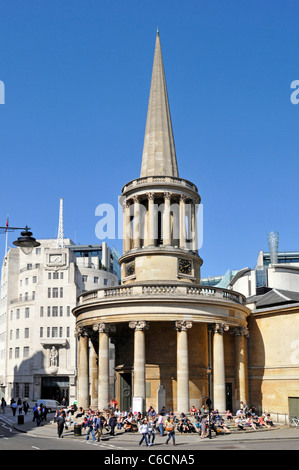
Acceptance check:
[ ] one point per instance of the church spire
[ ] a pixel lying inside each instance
(159, 156)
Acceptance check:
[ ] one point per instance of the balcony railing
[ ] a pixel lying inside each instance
(168, 290)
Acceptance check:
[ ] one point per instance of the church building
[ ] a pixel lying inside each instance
(176, 342)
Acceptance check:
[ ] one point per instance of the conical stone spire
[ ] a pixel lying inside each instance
(159, 156)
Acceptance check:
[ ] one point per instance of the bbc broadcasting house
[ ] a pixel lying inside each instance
(157, 334)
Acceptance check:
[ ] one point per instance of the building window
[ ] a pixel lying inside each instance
(61, 292)
(11, 315)
(48, 332)
(26, 390)
(55, 292)
(61, 275)
(10, 353)
(10, 334)
(17, 333)
(60, 331)
(61, 310)
(26, 351)
(26, 281)
(37, 252)
(26, 296)
(17, 353)
(68, 311)
(105, 282)
(96, 280)
(18, 314)
(67, 331)
(26, 333)
(56, 275)
(84, 278)
(49, 292)
(34, 279)
(41, 332)
(33, 295)
(27, 312)
(49, 275)
(41, 311)
(49, 311)
(54, 311)
(54, 332)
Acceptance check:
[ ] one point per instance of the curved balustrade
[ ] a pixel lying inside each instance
(150, 290)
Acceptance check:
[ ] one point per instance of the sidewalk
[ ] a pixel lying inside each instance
(48, 430)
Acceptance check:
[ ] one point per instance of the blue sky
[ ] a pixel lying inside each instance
(77, 78)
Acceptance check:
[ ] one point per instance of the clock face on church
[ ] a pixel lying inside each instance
(185, 266)
(130, 268)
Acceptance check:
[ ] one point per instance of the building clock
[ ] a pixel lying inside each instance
(130, 268)
(185, 266)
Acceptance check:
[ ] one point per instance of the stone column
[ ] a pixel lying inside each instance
(136, 222)
(182, 366)
(166, 220)
(94, 376)
(219, 401)
(83, 368)
(182, 221)
(194, 227)
(139, 389)
(103, 363)
(241, 386)
(127, 227)
(152, 232)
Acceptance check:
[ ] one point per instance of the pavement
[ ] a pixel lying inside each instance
(48, 429)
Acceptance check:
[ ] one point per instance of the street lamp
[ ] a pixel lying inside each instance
(209, 401)
(26, 241)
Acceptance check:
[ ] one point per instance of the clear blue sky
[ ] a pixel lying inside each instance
(77, 77)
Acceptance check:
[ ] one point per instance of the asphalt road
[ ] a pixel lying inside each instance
(190, 450)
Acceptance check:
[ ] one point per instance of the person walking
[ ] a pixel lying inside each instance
(90, 429)
(112, 423)
(14, 407)
(60, 420)
(169, 426)
(160, 424)
(143, 429)
(3, 405)
(151, 431)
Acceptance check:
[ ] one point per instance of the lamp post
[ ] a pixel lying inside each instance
(26, 241)
(209, 401)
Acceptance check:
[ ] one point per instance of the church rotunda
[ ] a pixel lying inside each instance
(167, 328)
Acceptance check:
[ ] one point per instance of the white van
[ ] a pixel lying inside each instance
(51, 405)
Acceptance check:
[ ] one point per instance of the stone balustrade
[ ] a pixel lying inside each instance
(165, 289)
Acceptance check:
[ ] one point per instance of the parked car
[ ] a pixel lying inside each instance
(51, 405)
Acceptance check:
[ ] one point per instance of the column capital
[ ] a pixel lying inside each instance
(136, 198)
(139, 325)
(104, 327)
(167, 195)
(183, 198)
(151, 195)
(182, 325)
(81, 331)
(218, 328)
(240, 331)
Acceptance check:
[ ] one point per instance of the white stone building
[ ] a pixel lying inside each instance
(38, 292)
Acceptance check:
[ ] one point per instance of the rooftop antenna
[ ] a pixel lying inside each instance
(60, 236)
(273, 239)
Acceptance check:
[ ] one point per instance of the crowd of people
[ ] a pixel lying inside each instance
(165, 424)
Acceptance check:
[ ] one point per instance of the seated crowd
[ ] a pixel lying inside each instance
(198, 421)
